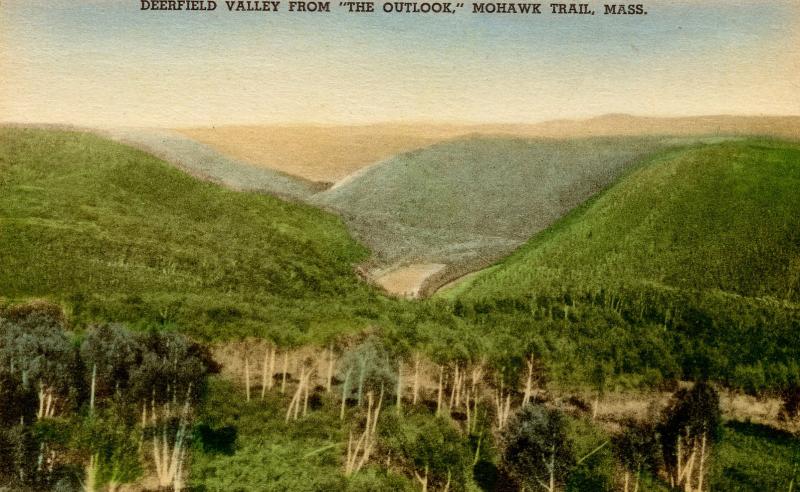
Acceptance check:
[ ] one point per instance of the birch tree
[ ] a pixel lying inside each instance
(370, 367)
(689, 427)
(638, 450)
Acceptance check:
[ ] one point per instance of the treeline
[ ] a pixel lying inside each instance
(96, 407)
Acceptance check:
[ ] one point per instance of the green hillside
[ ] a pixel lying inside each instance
(689, 267)
(118, 234)
(720, 217)
(476, 196)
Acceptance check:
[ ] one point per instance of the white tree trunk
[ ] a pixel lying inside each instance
(94, 381)
(330, 370)
(247, 377)
(399, 402)
(416, 378)
(441, 388)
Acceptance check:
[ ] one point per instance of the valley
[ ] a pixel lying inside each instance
(604, 282)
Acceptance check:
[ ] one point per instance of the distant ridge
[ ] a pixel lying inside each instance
(330, 153)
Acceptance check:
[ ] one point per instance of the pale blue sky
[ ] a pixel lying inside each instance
(104, 62)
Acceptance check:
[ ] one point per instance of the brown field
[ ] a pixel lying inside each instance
(328, 154)
(319, 153)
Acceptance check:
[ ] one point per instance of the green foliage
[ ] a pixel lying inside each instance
(753, 457)
(112, 352)
(595, 465)
(536, 447)
(790, 409)
(721, 217)
(271, 455)
(696, 251)
(18, 449)
(691, 415)
(113, 439)
(637, 448)
(171, 367)
(39, 351)
(18, 402)
(420, 443)
(368, 367)
(685, 269)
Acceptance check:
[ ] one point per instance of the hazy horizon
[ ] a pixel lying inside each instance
(403, 123)
(100, 63)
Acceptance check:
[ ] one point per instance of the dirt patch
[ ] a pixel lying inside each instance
(408, 281)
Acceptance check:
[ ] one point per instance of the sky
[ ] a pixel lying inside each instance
(107, 63)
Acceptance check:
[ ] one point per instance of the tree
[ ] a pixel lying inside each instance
(790, 409)
(17, 411)
(638, 449)
(17, 403)
(171, 366)
(689, 426)
(430, 449)
(368, 366)
(110, 352)
(599, 376)
(537, 452)
(38, 349)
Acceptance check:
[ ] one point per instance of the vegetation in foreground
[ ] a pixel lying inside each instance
(109, 406)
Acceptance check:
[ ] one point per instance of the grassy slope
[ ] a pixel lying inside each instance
(753, 457)
(118, 234)
(720, 217)
(458, 199)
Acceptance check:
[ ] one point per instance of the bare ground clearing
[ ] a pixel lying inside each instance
(408, 281)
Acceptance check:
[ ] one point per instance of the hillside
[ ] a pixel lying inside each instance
(723, 217)
(206, 162)
(625, 124)
(389, 181)
(118, 234)
(472, 199)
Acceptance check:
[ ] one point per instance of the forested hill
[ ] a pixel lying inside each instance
(118, 234)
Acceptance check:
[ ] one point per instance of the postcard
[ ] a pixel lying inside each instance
(368, 245)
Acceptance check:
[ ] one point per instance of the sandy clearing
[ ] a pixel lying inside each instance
(408, 281)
